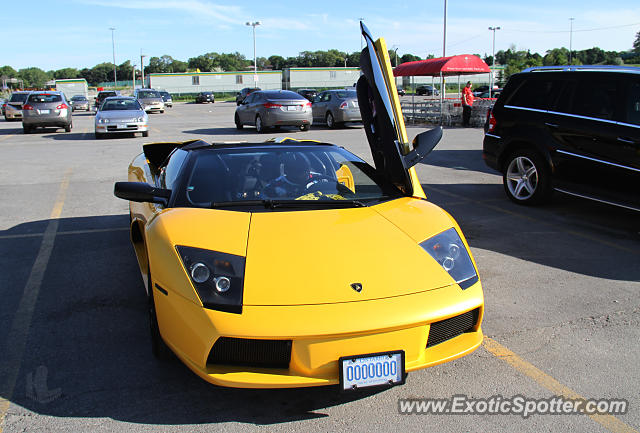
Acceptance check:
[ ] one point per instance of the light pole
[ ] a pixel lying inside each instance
(113, 48)
(570, 37)
(255, 61)
(134, 78)
(493, 59)
(142, 56)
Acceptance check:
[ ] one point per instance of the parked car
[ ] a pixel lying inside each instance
(277, 264)
(427, 90)
(546, 133)
(267, 108)
(3, 103)
(166, 97)
(80, 102)
(242, 94)
(480, 90)
(205, 97)
(46, 109)
(121, 114)
(104, 94)
(493, 94)
(13, 107)
(335, 107)
(150, 100)
(310, 94)
(401, 91)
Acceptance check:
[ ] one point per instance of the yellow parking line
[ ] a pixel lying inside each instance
(609, 422)
(19, 331)
(4, 137)
(576, 233)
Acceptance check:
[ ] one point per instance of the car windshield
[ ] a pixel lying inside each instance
(44, 98)
(165, 94)
(282, 94)
(120, 104)
(78, 98)
(18, 97)
(272, 175)
(148, 94)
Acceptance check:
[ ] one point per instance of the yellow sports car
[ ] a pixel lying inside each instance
(294, 263)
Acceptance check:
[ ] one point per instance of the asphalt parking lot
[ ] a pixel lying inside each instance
(561, 284)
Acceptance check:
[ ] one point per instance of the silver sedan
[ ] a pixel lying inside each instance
(121, 114)
(335, 107)
(267, 108)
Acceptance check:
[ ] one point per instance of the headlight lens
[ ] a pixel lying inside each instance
(217, 277)
(103, 120)
(140, 119)
(450, 252)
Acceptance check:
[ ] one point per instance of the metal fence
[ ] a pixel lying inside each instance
(451, 115)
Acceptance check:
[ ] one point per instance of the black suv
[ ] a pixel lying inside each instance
(244, 93)
(104, 94)
(571, 129)
(203, 97)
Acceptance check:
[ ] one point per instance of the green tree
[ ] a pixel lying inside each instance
(556, 57)
(125, 71)
(409, 58)
(65, 73)
(277, 62)
(33, 77)
(8, 72)
(636, 44)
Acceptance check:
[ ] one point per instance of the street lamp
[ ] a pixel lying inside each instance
(255, 62)
(113, 48)
(493, 59)
(570, 38)
(142, 56)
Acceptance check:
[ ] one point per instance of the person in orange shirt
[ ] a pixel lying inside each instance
(467, 103)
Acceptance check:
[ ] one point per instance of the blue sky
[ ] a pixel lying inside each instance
(75, 33)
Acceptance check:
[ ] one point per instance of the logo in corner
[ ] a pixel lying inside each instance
(357, 287)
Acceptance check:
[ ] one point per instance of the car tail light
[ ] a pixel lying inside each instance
(27, 107)
(344, 105)
(271, 105)
(306, 104)
(62, 106)
(492, 121)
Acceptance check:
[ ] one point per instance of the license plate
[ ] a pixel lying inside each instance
(292, 107)
(376, 369)
(44, 111)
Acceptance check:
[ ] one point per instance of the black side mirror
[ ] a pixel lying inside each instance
(423, 144)
(141, 192)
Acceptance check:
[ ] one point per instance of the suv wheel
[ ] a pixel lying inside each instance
(526, 178)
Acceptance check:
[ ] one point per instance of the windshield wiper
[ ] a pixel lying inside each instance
(281, 204)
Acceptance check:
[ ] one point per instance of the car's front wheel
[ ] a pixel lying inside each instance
(159, 348)
(145, 133)
(526, 178)
(239, 124)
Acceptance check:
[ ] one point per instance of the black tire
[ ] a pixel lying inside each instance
(330, 120)
(145, 133)
(526, 177)
(159, 348)
(68, 127)
(304, 127)
(239, 124)
(161, 111)
(99, 136)
(260, 128)
(26, 129)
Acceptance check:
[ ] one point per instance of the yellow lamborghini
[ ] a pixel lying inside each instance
(295, 263)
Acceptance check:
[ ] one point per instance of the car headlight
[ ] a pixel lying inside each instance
(103, 120)
(450, 252)
(217, 277)
(140, 119)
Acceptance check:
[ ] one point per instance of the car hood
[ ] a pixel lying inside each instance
(120, 114)
(150, 100)
(314, 257)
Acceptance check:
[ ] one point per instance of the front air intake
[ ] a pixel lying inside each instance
(447, 329)
(250, 352)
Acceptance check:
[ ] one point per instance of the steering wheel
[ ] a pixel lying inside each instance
(321, 182)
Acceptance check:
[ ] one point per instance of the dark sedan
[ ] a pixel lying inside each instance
(242, 94)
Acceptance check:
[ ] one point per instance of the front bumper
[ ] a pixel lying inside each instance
(320, 334)
(118, 127)
(12, 113)
(154, 108)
